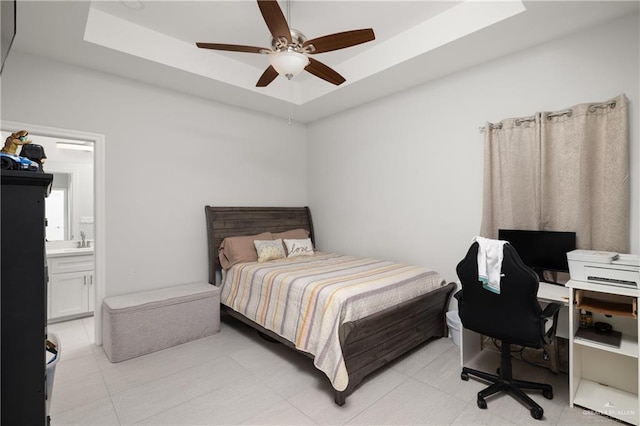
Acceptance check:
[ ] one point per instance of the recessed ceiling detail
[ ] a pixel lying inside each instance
(165, 47)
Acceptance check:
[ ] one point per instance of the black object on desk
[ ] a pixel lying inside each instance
(608, 338)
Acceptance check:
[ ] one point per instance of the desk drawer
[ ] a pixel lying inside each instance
(59, 265)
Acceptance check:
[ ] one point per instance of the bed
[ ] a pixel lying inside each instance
(366, 338)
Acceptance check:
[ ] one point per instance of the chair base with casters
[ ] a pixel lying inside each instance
(504, 382)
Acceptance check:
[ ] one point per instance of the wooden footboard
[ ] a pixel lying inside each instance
(371, 342)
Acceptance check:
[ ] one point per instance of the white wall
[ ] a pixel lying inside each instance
(167, 156)
(401, 178)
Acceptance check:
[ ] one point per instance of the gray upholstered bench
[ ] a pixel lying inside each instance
(139, 323)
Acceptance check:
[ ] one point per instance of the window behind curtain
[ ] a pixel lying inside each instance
(562, 171)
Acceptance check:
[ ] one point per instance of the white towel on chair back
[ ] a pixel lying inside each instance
(490, 262)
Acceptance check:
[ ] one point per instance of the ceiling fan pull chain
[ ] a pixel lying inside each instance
(290, 104)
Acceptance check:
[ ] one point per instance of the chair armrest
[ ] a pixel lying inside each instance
(551, 310)
(550, 313)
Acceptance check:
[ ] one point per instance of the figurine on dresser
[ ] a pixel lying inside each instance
(31, 157)
(15, 140)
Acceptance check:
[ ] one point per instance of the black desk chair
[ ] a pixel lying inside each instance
(514, 316)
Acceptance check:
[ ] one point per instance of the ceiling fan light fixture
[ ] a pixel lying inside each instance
(288, 63)
(290, 47)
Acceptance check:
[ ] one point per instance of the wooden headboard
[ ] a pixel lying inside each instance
(225, 222)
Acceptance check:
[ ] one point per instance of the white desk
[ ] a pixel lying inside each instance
(470, 341)
(553, 293)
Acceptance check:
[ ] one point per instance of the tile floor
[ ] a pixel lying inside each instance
(235, 377)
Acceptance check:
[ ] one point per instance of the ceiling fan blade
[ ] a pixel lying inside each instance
(232, 47)
(340, 40)
(267, 77)
(319, 69)
(275, 20)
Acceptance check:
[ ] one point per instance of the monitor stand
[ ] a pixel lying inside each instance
(552, 277)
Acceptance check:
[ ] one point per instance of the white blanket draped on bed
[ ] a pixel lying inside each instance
(306, 299)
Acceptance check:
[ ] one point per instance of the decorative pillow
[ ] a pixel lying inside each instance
(240, 249)
(269, 250)
(299, 247)
(292, 234)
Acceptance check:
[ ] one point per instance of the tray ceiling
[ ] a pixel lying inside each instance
(416, 41)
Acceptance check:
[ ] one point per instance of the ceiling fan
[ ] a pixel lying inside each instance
(289, 51)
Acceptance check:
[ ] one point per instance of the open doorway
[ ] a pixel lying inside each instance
(76, 209)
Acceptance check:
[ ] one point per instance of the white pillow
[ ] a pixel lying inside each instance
(269, 250)
(299, 247)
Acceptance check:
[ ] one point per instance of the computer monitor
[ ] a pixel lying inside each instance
(541, 250)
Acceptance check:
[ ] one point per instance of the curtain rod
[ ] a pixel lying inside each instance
(568, 112)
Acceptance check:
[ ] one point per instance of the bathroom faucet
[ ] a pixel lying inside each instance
(83, 236)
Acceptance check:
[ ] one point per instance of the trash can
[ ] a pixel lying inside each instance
(454, 324)
(51, 360)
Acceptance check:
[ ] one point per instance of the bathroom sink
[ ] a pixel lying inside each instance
(71, 250)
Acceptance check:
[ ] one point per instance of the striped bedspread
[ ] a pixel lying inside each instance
(306, 299)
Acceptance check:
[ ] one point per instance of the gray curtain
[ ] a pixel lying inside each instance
(512, 176)
(561, 171)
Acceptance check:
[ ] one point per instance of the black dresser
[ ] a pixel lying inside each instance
(23, 296)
